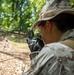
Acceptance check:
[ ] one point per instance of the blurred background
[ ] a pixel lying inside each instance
(16, 18)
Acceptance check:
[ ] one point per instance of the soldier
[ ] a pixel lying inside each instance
(57, 28)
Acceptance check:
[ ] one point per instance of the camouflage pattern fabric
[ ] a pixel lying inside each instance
(54, 59)
(52, 8)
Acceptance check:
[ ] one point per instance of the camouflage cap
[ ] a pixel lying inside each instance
(52, 8)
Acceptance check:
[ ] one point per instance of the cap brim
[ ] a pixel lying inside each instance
(39, 21)
(70, 11)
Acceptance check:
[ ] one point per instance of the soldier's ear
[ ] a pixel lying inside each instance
(48, 25)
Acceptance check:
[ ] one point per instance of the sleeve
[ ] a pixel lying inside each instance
(54, 59)
(39, 62)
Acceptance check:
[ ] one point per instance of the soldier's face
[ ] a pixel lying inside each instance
(49, 32)
(45, 31)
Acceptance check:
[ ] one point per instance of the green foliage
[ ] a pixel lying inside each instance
(72, 3)
(19, 14)
(36, 7)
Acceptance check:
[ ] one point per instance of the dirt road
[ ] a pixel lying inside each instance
(14, 58)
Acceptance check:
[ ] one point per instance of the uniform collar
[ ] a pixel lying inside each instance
(67, 35)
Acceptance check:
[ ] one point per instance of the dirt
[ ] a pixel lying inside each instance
(14, 58)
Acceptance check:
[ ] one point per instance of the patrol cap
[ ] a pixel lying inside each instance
(52, 8)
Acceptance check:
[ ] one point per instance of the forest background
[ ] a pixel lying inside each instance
(19, 15)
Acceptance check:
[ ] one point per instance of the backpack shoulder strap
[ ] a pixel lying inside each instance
(69, 42)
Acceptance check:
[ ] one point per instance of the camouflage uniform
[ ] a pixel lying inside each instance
(54, 59)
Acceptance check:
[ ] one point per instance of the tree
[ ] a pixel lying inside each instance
(19, 14)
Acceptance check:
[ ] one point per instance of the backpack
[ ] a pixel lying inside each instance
(69, 42)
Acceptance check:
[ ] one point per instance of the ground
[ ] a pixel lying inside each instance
(14, 55)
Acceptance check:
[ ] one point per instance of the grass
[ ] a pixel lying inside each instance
(15, 39)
